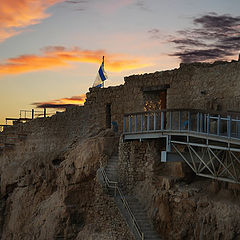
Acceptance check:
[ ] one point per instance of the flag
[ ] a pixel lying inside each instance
(101, 76)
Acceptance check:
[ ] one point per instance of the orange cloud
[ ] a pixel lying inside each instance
(62, 102)
(18, 14)
(53, 57)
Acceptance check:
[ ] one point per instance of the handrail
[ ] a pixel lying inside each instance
(176, 119)
(123, 199)
(192, 110)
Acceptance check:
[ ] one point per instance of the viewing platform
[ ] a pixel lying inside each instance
(209, 142)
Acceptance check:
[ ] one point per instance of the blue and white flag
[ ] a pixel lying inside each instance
(101, 76)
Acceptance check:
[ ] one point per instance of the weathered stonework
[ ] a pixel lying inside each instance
(202, 86)
(49, 187)
(180, 205)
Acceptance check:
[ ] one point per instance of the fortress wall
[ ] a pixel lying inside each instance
(196, 85)
(98, 98)
(206, 86)
(125, 98)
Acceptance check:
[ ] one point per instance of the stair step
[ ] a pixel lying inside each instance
(136, 207)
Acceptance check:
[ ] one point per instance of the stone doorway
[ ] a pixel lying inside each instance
(155, 100)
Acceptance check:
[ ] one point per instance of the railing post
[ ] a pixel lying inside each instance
(218, 125)
(208, 123)
(141, 122)
(189, 121)
(154, 121)
(170, 120)
(229, 126)
(168, 143)
(148, 122)
(205, 123)
(32, 113)
(162, 120)
(238, 127)
(201, 122)
(198, 122)
(136, 123)
(130, 123)
(180, 120)
(45, 112)
(124, 124)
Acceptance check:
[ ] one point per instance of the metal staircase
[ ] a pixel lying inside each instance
(208, 142)
(132, 211)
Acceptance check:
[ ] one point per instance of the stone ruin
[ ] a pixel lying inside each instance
(49, 173)
(206, 86)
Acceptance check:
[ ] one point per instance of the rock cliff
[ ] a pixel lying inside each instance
(49, 188)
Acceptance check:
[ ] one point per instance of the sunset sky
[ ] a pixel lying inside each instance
(51, 49)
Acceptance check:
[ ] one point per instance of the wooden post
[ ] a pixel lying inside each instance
(45, 113)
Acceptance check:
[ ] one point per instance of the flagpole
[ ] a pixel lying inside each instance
(103, 64)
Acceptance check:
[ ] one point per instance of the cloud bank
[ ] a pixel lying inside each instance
(15, 15)
(214, 37)
(62, 102)
(58, 56)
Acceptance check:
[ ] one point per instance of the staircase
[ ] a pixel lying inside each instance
(131, 209)
(111, 169)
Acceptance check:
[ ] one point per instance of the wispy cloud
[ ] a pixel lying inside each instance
(111, 6)
(107, 6)
(62, 102)
(141, 4)
(216, 37)
(16, 15)
(58, 56)
(79, 5)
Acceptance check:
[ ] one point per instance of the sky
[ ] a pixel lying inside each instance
(51, 50)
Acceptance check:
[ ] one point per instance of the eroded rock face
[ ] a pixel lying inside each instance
(49, 188)
(191, 211)
(180, 205)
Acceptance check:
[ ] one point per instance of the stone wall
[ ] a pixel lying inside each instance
(60, 157)
(141, 161)
(206, 86)
(196, 85)
(181, 205)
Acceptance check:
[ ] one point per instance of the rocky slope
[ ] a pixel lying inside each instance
(180, 205)
(49, 188)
